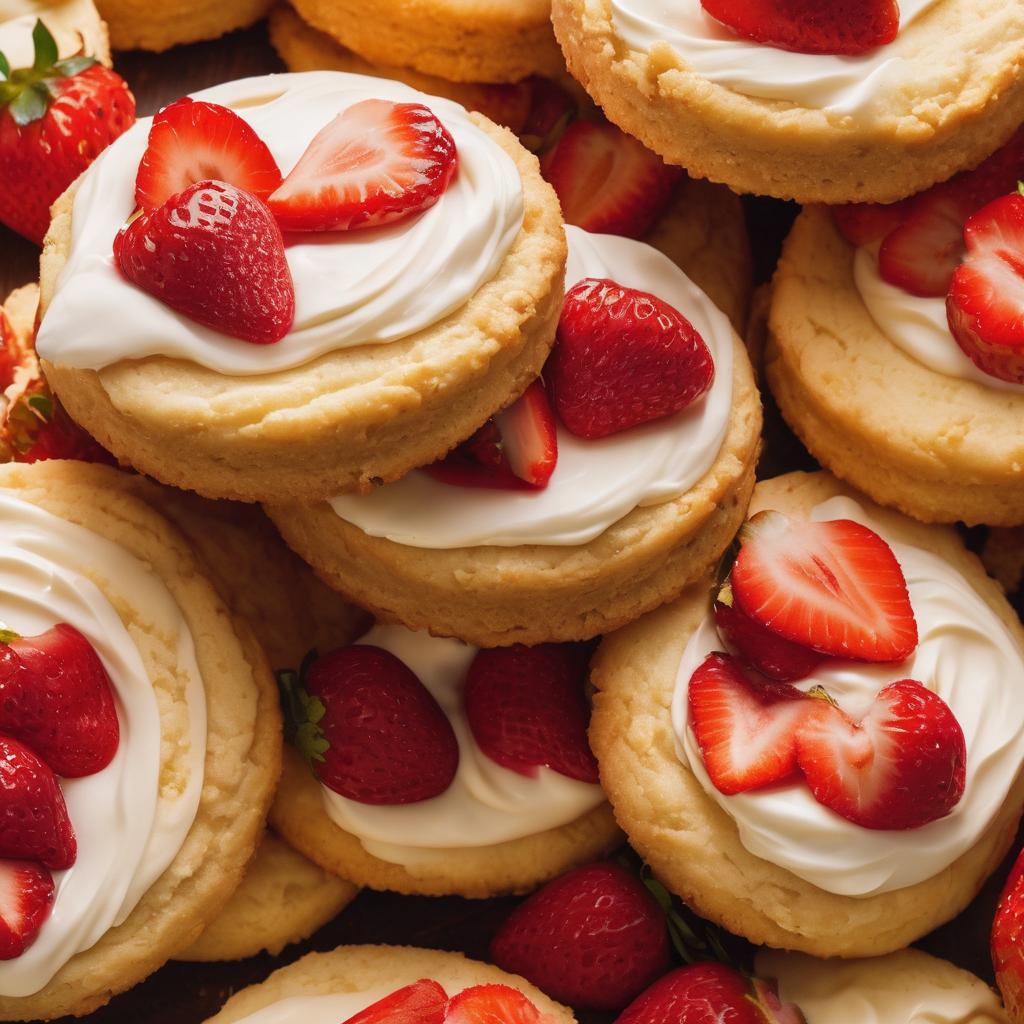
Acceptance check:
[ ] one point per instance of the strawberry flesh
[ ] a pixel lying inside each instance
(1008, 942)
(622, 358)
(214, 253)
(761, 649)
(375, 163)
(422, 1002)
(921, 254)
(493, 1004)
(865, 223)
(26, 899)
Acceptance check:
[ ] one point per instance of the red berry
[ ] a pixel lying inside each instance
(921, 253)
(550, 111)
(763, 650)
(422, 1002)
(26, 899)
(10, 352)
(214, 253)
(1008, 942)
(622, 358)
(864, 223)
(493, 1004)
(507, 105)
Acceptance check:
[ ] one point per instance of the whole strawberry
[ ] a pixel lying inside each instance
(56, 117)
(594, 938)
(1008, 942)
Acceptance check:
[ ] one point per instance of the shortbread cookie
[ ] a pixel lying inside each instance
(461, 40)
(142, 25)
(939, 98)
(323, 988)
(351, 395)
(283, 898)
(940, 446)
(872, 891)
(206, 729)
(74, 24)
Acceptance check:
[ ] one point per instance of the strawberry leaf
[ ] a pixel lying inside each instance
(7, 635)
(43, 405)
(5, 66)
(46, 53)
(303, 714)
(30, 104)
(73, 66)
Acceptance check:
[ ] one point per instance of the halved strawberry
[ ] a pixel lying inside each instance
(192, 141)
(608, 182)
(422, 1002)
(842, 27)
(985, 305)
(747, 732)
(26, 899)
(864, 223)
(1008, 942)
(902, 766)
(492, 1004)
(507, 105)
(835, 587)
(551, 110)
(527, 707)
(375, 163)
(921, 254)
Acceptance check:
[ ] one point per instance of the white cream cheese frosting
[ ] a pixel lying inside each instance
(320, 1009)
(852, 86)
(74, 24)
(917, 326)
(966, 655)
(130, 823)
(486, 804)
(595, 483)
(351, 288)
(909, 987)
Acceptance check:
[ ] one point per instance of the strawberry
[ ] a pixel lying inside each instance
(371, 730)
(842, 27)
(214, 253)
(864, 223)
(1008, 942)
(608, 182)
(902, 766)
(192, 141)
(10, 352)
(493, 1004)
(375, 163)
(623, 357)
(34, 822)
(747, 732)
(507, 105)
(56, 697)
(921, 254)
(422, 1002)
(834, 587)
(56, 117)
(594, 938)
(26, 899)
(709, 993)
(551, 110)
(527, 707)
(985, 305)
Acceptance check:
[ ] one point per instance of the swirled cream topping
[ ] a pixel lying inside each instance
(351, 288)
(965, 654)
(129, 820)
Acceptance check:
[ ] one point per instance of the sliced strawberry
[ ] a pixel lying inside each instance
(422, 1002)
(56, 697)
(370, 729)
(507, 105)
(622, 358)
(834, 587)
(26, 899)
(493, 1004)
(842, 27)
(192, 141)
(921, 254)
(214, 253)
(985, 305)
(375, 163)
(593, 938)
(527, 707)
(608, 182)
(551, 110)
(57, 436)
(864, 223)
(480, 461)
(747, 732)
(902, 766)
(1008, 942)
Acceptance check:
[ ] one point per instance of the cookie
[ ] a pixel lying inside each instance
(75, 25)
(936, 446)
(939, 98)
(857, 906)
(140, 25)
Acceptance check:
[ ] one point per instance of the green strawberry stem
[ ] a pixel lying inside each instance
(302, 713)
(8, 635)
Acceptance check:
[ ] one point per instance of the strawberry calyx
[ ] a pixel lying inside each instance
(28, 92)
(303, 713)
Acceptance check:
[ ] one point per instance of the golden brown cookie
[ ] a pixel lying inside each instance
(143, 25)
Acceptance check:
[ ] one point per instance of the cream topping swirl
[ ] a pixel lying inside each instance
(130, 822)
(486, 804)
(965, 654)
(846, 85)
(351, 288)
(595, 483)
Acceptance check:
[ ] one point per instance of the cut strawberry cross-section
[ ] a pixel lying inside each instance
(493, 1004)
(26, 899)
(422, 1002)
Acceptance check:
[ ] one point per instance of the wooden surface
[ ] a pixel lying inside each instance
(189, 993)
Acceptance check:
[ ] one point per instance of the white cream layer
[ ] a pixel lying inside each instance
(966, 655)
(74, 25)
(486, 804)
(853, 86)
(915, 325)
(595, 483)
(351, 288)
(129, 825)
(878, 991)
(327, 1009)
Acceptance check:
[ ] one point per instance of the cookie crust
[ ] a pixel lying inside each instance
(144, 25)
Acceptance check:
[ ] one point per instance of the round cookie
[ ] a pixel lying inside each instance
(75, 25)
(959, 95)
(694, 846)
(939, 448)
(461, 40)
(243, 737)
(348, 418)
(282, 899)
(143, 25)
(381, 969)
